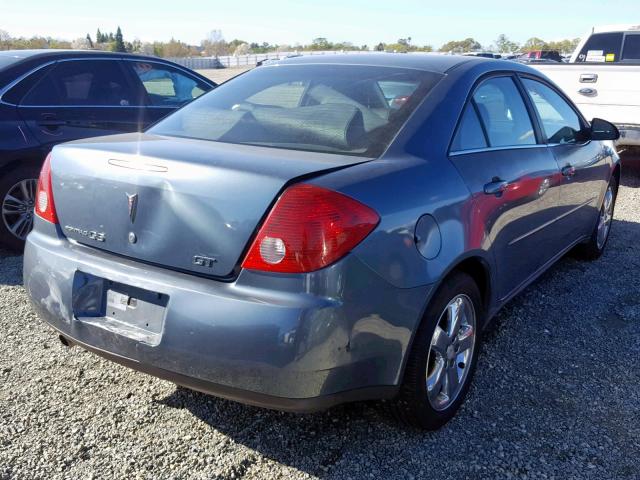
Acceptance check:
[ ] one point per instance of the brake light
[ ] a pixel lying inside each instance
(45, 207)
(309, 228)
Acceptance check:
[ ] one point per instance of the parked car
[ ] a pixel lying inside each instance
(293, 240)
(603, 78)
(483, 54)
(548, 55)
(53, 96)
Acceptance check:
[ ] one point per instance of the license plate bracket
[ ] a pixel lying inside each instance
(123, 309)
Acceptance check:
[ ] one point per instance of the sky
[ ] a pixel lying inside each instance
(290, 22)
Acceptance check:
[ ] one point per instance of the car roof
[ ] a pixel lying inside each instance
(419, 61)
(615, 28)
(52, 53)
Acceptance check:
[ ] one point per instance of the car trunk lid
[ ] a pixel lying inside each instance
(186, 204)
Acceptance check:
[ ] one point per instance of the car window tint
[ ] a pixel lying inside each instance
(631, 50)
(167, 86)
(323, 108)
(601, 47)
(503, 113)
(82, 83)
(469, 135)
(560, 122)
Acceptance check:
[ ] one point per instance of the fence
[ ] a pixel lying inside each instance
(227, 61)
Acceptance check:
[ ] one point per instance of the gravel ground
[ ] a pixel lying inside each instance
(556, 395)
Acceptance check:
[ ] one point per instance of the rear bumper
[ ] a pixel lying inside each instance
(298, 343)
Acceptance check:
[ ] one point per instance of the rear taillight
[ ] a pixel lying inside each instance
(45, 207)
(309, 228)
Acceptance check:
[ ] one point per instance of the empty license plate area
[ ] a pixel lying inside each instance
(123, 309)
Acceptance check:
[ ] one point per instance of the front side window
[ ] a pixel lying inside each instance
(82, 83)
(165, 85)
(345, 109)
(560, 122)
(503, 113)
(469, 135)
(601, 47)
(631, 50)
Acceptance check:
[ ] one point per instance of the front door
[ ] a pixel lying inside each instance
(583, 164)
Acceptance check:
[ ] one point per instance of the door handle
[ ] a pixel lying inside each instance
(589, 78)
(52, 123)
(568, 171)
(588, 92)
(496, 187)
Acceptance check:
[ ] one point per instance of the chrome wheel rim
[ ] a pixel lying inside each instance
(17, 207)
(451, 352)
(606, 215)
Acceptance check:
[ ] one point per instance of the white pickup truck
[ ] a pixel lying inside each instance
(603, 78)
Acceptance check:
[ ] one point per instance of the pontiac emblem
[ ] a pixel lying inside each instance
(133, 205)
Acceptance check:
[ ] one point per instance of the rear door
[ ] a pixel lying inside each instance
(163, 88)
(81, 98)
(513, 179)
(582, 163)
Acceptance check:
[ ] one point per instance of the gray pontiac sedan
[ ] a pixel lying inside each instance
(322, 229)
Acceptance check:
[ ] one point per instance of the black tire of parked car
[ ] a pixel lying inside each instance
(412, 406)
(590, 249)
(7, 181)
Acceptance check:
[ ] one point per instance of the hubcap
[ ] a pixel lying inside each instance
(606, 215)
(17, 207)
(451, 352)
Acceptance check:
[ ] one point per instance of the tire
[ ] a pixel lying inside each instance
(594, 247)
(424, 408)
(17, 215)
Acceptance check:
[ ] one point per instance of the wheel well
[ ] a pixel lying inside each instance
(20, 162)
(477, 269)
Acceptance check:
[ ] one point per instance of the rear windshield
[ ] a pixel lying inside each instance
(346, 109)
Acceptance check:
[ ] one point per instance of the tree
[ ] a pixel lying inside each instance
(380, 47)
(504, 45)
(175, 48)
(320, 43)
(534, 43)
(241, 49)
(118, 45)
(89, 41)
(461, 46)
(214, 45)
(80, 44)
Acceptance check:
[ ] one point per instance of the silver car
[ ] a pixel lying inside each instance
(322, 229)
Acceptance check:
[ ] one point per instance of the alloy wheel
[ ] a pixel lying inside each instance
(17, 207)
(604, 221)
(451, 352)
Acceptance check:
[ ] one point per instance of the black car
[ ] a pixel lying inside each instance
(53, 96)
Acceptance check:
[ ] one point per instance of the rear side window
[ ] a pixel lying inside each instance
(601, 47)
(503, 113)
(469, 135)
(560, 122)
(82, 83)
(631, 50)
(165, 85)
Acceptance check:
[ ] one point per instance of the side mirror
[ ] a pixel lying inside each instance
(603, 130)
